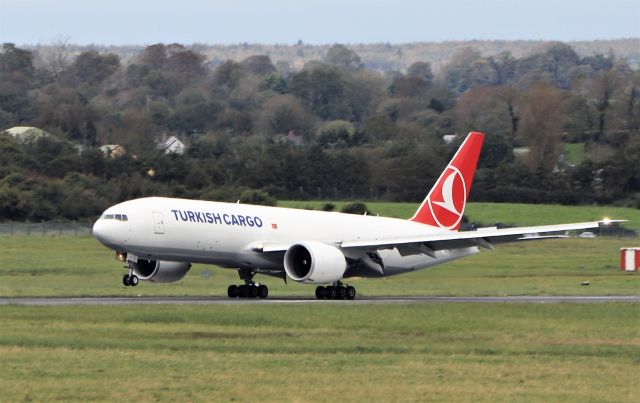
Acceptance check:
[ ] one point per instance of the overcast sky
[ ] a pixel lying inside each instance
(314, 21)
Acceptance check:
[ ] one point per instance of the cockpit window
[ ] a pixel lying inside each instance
(119, 217)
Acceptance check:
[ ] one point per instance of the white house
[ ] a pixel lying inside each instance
(172, 146)
(112, 150)
(27, 133)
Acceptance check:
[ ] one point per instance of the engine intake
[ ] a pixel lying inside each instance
(160, 271)
(314, 263)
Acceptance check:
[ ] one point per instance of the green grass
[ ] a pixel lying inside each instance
(574, 152)
(326, 352)
(80, 266)
(410, 352)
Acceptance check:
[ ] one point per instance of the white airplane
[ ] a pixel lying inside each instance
(159, 238)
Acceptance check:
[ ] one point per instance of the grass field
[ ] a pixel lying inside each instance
(423, 352)
(574, 152)
(328, 352)
(80, 266)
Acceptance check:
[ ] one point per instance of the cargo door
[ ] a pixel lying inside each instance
(158, 223)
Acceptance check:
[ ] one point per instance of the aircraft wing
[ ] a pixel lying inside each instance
(483, 237)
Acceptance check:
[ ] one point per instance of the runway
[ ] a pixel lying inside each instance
(53, 301)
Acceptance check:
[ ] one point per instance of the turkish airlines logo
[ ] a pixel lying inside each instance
(448, 200)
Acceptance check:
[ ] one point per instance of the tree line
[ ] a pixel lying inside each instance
(560, 128)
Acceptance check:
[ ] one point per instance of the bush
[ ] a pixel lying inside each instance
(328, 207)
(356, 208)
(243, 194)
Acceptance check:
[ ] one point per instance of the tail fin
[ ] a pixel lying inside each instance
(444, 205)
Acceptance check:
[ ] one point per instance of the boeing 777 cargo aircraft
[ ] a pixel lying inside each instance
(160, 238)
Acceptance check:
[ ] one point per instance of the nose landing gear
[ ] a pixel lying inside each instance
(130, 280)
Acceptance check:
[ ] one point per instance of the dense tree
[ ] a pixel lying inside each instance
(541, 126)
(91, 68)
(322, 89)
(330, 129)
(285, 115)
(227, 76)
(422, 71)
(259, 65)
(343, 57)
(16, 79)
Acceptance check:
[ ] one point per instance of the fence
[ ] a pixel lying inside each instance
(46, 228)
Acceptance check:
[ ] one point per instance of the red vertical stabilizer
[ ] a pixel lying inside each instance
(444, 205)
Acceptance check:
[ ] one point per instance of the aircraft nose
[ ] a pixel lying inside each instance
(106, 233)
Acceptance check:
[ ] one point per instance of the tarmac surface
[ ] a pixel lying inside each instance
(50, 301)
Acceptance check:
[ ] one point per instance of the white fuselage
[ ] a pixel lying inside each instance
(237, 235)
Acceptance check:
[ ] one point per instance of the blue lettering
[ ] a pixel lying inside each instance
(216, 218)
(199, 216)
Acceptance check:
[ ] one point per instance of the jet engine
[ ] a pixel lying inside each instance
(314, 263)
(160, 271)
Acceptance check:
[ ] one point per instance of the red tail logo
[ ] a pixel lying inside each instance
(444, 205)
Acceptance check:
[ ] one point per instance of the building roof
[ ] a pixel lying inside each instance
(27, 133)
(172, 144)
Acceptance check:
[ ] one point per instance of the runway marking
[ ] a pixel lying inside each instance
(523, 299)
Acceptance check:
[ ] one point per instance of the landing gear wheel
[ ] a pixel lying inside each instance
(133, 280)
(263, 291)
(125, 280)
(351, 292)
(341, 291)
(249, 289)
(331, 292)
(320, 292)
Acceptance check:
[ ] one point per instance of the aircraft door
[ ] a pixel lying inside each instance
(158, 223)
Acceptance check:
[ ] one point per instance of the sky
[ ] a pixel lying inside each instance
(142, 22)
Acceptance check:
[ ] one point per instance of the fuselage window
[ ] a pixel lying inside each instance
(108, 217)
(118, 217)
(124, 217)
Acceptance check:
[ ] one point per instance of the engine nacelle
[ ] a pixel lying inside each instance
(160, 271)
(314, 263)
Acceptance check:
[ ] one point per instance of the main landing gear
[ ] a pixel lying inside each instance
(336, 291)
(249, 289)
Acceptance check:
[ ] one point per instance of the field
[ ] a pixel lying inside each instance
(327, 352)
(448, 352)
(80, 266)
